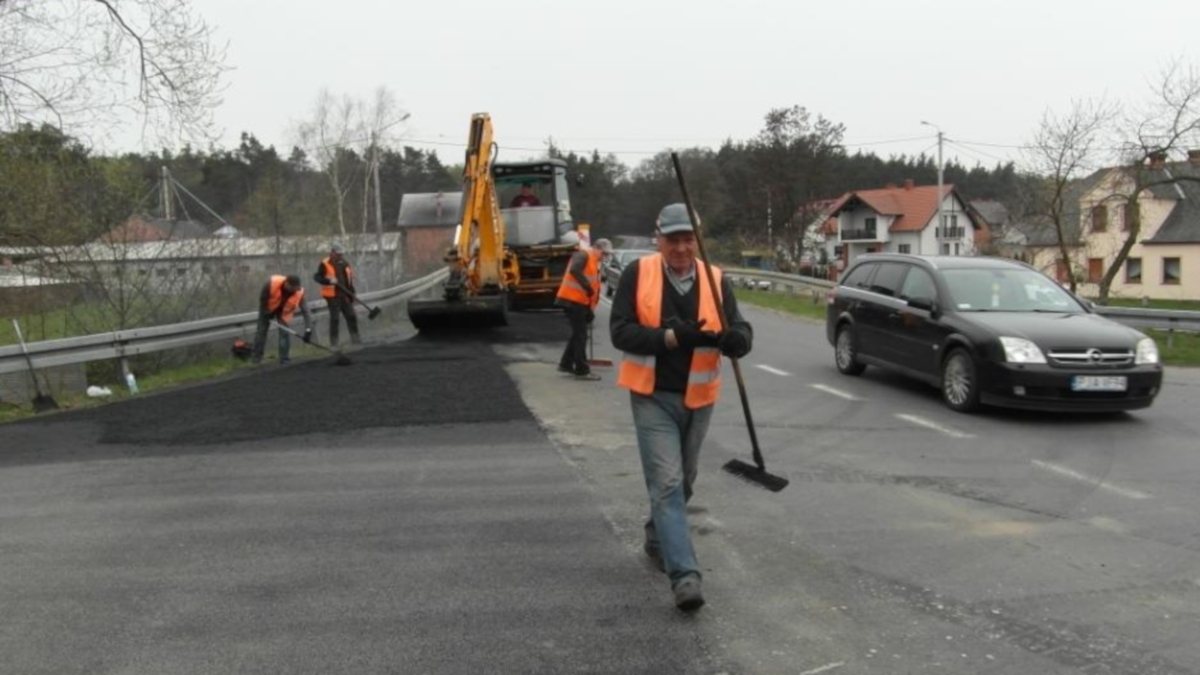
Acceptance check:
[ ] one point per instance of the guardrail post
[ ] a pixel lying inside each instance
(1171, 333)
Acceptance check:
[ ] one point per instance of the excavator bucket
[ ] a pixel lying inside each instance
(467, 313)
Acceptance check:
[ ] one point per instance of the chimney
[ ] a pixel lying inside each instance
(908, 184)
(1194, 158)
(1158, 160)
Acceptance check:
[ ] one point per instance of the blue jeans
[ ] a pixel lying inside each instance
(669, 437)
(260, 339)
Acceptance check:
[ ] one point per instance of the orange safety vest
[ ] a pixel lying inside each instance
(275, 299)
(572, 291)
(331, 274)
(704, 373)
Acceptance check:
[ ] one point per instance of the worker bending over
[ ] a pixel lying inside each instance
(279, 299)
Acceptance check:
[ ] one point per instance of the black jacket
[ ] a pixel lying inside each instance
(672, 365)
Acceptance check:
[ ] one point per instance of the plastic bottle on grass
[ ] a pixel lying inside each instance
(131, 382)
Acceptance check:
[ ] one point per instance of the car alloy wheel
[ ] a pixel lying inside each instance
(960, 388)
(844, 353)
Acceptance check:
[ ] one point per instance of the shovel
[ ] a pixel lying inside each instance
(340, 358)
(756, 474)
(41, 402)
(372, 312)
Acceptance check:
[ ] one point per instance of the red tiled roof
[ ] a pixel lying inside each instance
(913, 207)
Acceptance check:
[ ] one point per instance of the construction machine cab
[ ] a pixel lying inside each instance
(541, 212)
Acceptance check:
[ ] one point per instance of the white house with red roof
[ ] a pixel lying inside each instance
(902, 219)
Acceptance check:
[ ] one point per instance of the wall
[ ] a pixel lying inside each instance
(424, 249)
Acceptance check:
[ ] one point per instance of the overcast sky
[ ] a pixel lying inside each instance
(634, 78)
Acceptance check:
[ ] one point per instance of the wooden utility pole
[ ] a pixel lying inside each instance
(384, 268)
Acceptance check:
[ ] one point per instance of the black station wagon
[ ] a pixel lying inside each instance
(987, 331)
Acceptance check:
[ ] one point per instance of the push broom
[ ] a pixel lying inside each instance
(339, 358)
(756, 474)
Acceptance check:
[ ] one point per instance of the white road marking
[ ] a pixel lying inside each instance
(824, 669)
(1071, 473)
(930, 424)
(773, 371)
(836, 392)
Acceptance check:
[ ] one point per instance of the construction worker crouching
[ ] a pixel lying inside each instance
(336, 277)
(280, 298)
(578, 295)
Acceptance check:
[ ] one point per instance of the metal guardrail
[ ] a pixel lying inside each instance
(1160, 319)
(1136, 317)
(125, 343)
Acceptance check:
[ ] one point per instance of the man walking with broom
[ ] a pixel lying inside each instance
(666, 321)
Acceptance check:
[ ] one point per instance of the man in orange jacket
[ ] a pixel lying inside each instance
(336, 277)
(281, 296)
(665, 320)
(578, 296)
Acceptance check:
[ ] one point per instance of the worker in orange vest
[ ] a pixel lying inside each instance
(665, 320)
(280, 298)
(336, 277)
(578, 295)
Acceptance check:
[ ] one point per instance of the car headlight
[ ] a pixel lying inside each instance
(1147, 351)
(1020, 350)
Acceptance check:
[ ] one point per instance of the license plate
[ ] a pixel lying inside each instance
(1099, 383)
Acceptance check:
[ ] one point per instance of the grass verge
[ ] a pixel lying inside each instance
(800, 305)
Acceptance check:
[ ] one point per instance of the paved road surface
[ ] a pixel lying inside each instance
(431, 519)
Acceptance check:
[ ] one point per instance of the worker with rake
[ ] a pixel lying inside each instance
(280, 298)
(665, 320)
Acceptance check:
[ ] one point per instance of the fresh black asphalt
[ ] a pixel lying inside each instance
(404, 514)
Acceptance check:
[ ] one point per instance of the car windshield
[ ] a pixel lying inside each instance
(1007, 290)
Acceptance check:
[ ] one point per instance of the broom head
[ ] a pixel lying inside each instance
(755, 475)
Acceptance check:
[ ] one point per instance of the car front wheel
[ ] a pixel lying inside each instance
(845, 354)
(960, 382)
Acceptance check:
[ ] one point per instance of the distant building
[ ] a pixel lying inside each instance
(427, 222)
(145, 228)
(902, 219)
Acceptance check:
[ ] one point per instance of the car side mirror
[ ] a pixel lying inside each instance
(928, 304)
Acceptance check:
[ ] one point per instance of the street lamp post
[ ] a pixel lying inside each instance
(940, 197)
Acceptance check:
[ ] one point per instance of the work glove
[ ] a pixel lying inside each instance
(324, 281)
(734, 344)
(307, 335)
(591, 316)
(691, 334)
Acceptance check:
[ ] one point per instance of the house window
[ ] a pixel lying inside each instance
(1095, 270)
(906, 248)
(161, 274)
(1133, 270)
(1172, 271)
(870, 227)
(945, 249)
(1100, 218)
(1126, 219)
(957, 249)
(1060, 272)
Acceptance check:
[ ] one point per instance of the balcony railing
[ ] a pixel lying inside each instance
(951, 232)
(866, 233)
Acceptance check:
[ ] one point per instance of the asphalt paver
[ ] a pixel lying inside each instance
(404, 514)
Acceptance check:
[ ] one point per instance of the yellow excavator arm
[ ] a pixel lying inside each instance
(481, 269)
(479, 244)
